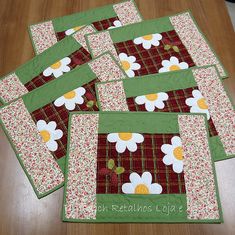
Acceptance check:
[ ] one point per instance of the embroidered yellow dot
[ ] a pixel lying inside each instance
(151, 97)
(125, 136)
(174, 67)
(69, 95)
(202, 103)
(56, 65)
(125, 65)
(45, 135)
(141, 189)
(148, 37)
(178, 153)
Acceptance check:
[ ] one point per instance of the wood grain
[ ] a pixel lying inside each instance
(20, 211)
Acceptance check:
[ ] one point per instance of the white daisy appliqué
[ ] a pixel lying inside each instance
(125, 140)
(148, 40)
(152, 100)
(174, 154)
(71, 98)
(141, 184)
(49, 134)
(116, 24)
(128, 64)
(58, 68)
(198, 103)
(73, 30)
(172, 65)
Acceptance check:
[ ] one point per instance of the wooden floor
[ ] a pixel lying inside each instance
(20, 211)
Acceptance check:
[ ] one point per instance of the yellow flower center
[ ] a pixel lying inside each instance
(148, 37)
(174, 67)
(77, 28)
(141, 189)
(178, 153)
(125, 64)
(125, 136)
(151, 97)
(56, 65)
(45, 135)
(202, 103)
(70, 95)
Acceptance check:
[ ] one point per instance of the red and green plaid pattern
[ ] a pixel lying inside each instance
(151, 60)
(147, 157)
(99, 25)
(60, 115)
(78, 57)
(175, 103)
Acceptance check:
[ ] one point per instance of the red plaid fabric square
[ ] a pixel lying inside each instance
(175, 103)
(151, 59)
(60, 115)
(78, 57)
(148, 157)
(99, 25)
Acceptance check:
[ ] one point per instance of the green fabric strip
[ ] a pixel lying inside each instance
(154, 83)
(56, 88)
(34, 67)
(83, 18)
(130, 32)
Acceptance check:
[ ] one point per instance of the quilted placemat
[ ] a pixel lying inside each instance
(140, 167)
(49, 65)
(156, 46)
(197, 90)
(46, 34)
(36, 124)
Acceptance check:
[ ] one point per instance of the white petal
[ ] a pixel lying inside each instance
(207, 114)
(57, 73)
(162, 96)
(66, 61)
(138, 138)
(131, 146)
(146, 45)
(138, 40)
(112, 137)
(65, 69)
(120, 146)
(191, 101)
(135, 66)
(183, 65)
(122, 56)
(178, 166)
(41, 125)
(57, 134)
(47, 72)
(147, 178)
(135, 179)
(149, 106)
(195, 109)
(130, 73)
(117, 23)
(128, 188)
(155, 188)
(51, 125)
(155, 43)
(163, 70)
(168, 159)
(158, 36)
(52, 145)
(166, 63)
(159, 104)
(70, 105)
(166, 148)
(174, 60)
(140, 99)
(69, 32)
(78, 100)
(131, 59)
(81, 91)
(197, 94)
(176, 141)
